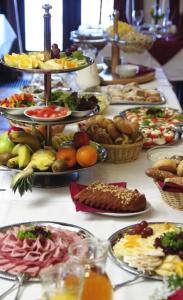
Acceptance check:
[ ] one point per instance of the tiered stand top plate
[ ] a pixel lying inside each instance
(48, 71)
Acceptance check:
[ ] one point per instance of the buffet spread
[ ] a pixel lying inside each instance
(103, 163)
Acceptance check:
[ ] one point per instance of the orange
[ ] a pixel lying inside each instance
(86, 156)
(68, 154)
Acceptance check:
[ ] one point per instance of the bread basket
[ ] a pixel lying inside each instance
(123, 153)
(173, 199)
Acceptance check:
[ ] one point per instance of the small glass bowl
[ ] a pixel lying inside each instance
(161, 152)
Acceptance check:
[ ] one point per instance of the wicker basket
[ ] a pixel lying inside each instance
(123, 153)
(173, 199)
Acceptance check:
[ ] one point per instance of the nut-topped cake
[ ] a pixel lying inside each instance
(113, 198)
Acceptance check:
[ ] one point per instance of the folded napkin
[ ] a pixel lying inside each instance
(75, 188)
(144, 70)
(170, 187)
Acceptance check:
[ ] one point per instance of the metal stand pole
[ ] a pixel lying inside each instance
(47, 56)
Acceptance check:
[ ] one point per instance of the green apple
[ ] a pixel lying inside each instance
(6, 145)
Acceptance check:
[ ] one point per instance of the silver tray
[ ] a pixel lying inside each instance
(49, 173)
(81, 231)
(144, 103)
(153, 107)
(26, 120)
(120, 263)
(50, 71)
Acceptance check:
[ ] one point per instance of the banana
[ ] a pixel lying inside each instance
(12, 162)
(24, 156)
(22, 137)
(15, 149)
(35, 132)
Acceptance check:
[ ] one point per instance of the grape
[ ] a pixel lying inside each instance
(73, 47)
(55, 53)
(54, 46)
(147, 231)
(157, 242)
(131, 231)
(138, 229)
(143, 224)
(68, 52)
(181, 254)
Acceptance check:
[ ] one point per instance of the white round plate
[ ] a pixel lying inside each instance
(44, 119)
(131, 214)
(14, 111)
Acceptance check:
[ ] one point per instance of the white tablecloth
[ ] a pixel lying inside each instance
(56, 205)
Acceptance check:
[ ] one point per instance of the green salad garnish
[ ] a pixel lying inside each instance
(34, 232)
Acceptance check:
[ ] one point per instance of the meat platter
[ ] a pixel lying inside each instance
(23, 259)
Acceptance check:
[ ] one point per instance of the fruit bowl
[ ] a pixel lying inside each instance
(47, 113)
(13, 111)
(16, 104)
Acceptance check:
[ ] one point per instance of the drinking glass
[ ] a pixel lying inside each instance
(137, 17)
(63, 282)
(93, 254)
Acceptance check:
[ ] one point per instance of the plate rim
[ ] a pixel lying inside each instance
(12, 277)
(45, 119)
(48, 71)
(125, 266)
(131, 214)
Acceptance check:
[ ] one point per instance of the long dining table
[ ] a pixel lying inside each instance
(55, 204)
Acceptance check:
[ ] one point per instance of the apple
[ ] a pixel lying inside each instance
(14, 128)
(80, 138)
(6, 145)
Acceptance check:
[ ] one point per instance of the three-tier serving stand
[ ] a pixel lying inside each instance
(48, 178)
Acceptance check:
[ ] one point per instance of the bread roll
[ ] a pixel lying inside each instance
(176, 180)
(112, 131)
(180, 169)
(125, 126)
(167, 165)
(159, 175)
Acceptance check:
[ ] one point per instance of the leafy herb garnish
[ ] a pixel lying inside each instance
(33, 232)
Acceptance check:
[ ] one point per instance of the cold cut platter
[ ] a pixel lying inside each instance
(33, 247)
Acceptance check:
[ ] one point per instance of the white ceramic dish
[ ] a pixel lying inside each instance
(127, 70)
(14, 111)
(81, 113)
(118, 215)
(47, 119)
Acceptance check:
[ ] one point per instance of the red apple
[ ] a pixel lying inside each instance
(80, 138)
(14, 128)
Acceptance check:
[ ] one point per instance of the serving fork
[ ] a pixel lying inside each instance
(146, 275)
(20, 279)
